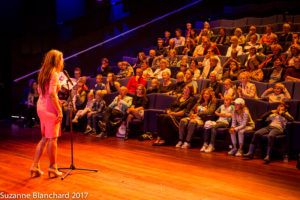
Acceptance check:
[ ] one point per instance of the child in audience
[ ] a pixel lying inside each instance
(278, 119)
(246, 89)
(278, 93)
(87, 109)
(96, 114)
(99, 84)
(154, 86)
(229, 89)
(224, 112)
(241, 122)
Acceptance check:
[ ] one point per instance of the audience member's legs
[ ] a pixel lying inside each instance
(182, 128)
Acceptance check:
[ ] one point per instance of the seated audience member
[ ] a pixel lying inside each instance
(179, 85)
(172, 45)
(277, 122)
(189, 47)
(246, 89)
(160, 49)
(166, 85)
(241, 122)
(125, 70)
(285, 39)
(115, 114)
(188, 30)
(99, 84)
(252, 31)
(194, 69)
(276, 52)
(139, 104)
(172, 58)
(188, 79)
(229, 89)
(234, 46)
(30, 110)
(136, 80)
(79, 100)
(253, 43)
(111, 84)
(178, 39)
(166, 39)
(187, 126)
(206, 31)
(233, 71)
(224, 113)
(95, 114)
(151, 58)
(183, 67)
(202, 48)
(269, 37)
(193, 35)
(104, 69)
(214, 65)
(169, 121)
(251, 54)
(293, 73)
(239, 34)
(222, 38)
(140, 59)
(277, 93)
(256, 73)
(183, 61)
(87, 109)
(296, 40)
(163, 66)
(147, 71)
(294, 53)
(214, 84)
(154, 86)
(77, 75)
(278, 71)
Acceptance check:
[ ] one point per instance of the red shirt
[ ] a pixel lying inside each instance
(133, 83)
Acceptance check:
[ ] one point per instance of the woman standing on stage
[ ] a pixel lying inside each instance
(49, 112)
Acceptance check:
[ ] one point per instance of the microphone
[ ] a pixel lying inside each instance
(68, 77)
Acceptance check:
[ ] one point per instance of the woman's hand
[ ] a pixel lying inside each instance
(59, 117)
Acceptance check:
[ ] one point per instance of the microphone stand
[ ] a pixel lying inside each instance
(72, 165)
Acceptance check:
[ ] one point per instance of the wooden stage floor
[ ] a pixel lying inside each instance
(136, 170)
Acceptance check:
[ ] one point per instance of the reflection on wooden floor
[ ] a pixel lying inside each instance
(136, 170)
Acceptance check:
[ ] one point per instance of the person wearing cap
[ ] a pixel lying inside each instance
(241, 122)
(278, 119)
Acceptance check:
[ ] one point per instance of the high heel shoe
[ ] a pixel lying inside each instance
(53, 172)
(35, 171)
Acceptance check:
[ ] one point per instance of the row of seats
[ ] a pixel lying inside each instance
(248, 21)
(158, 103)
(292, 87)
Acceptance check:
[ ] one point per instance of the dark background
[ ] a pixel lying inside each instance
(29, 28)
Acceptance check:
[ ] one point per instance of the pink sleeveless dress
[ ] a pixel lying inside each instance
(50, 128)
